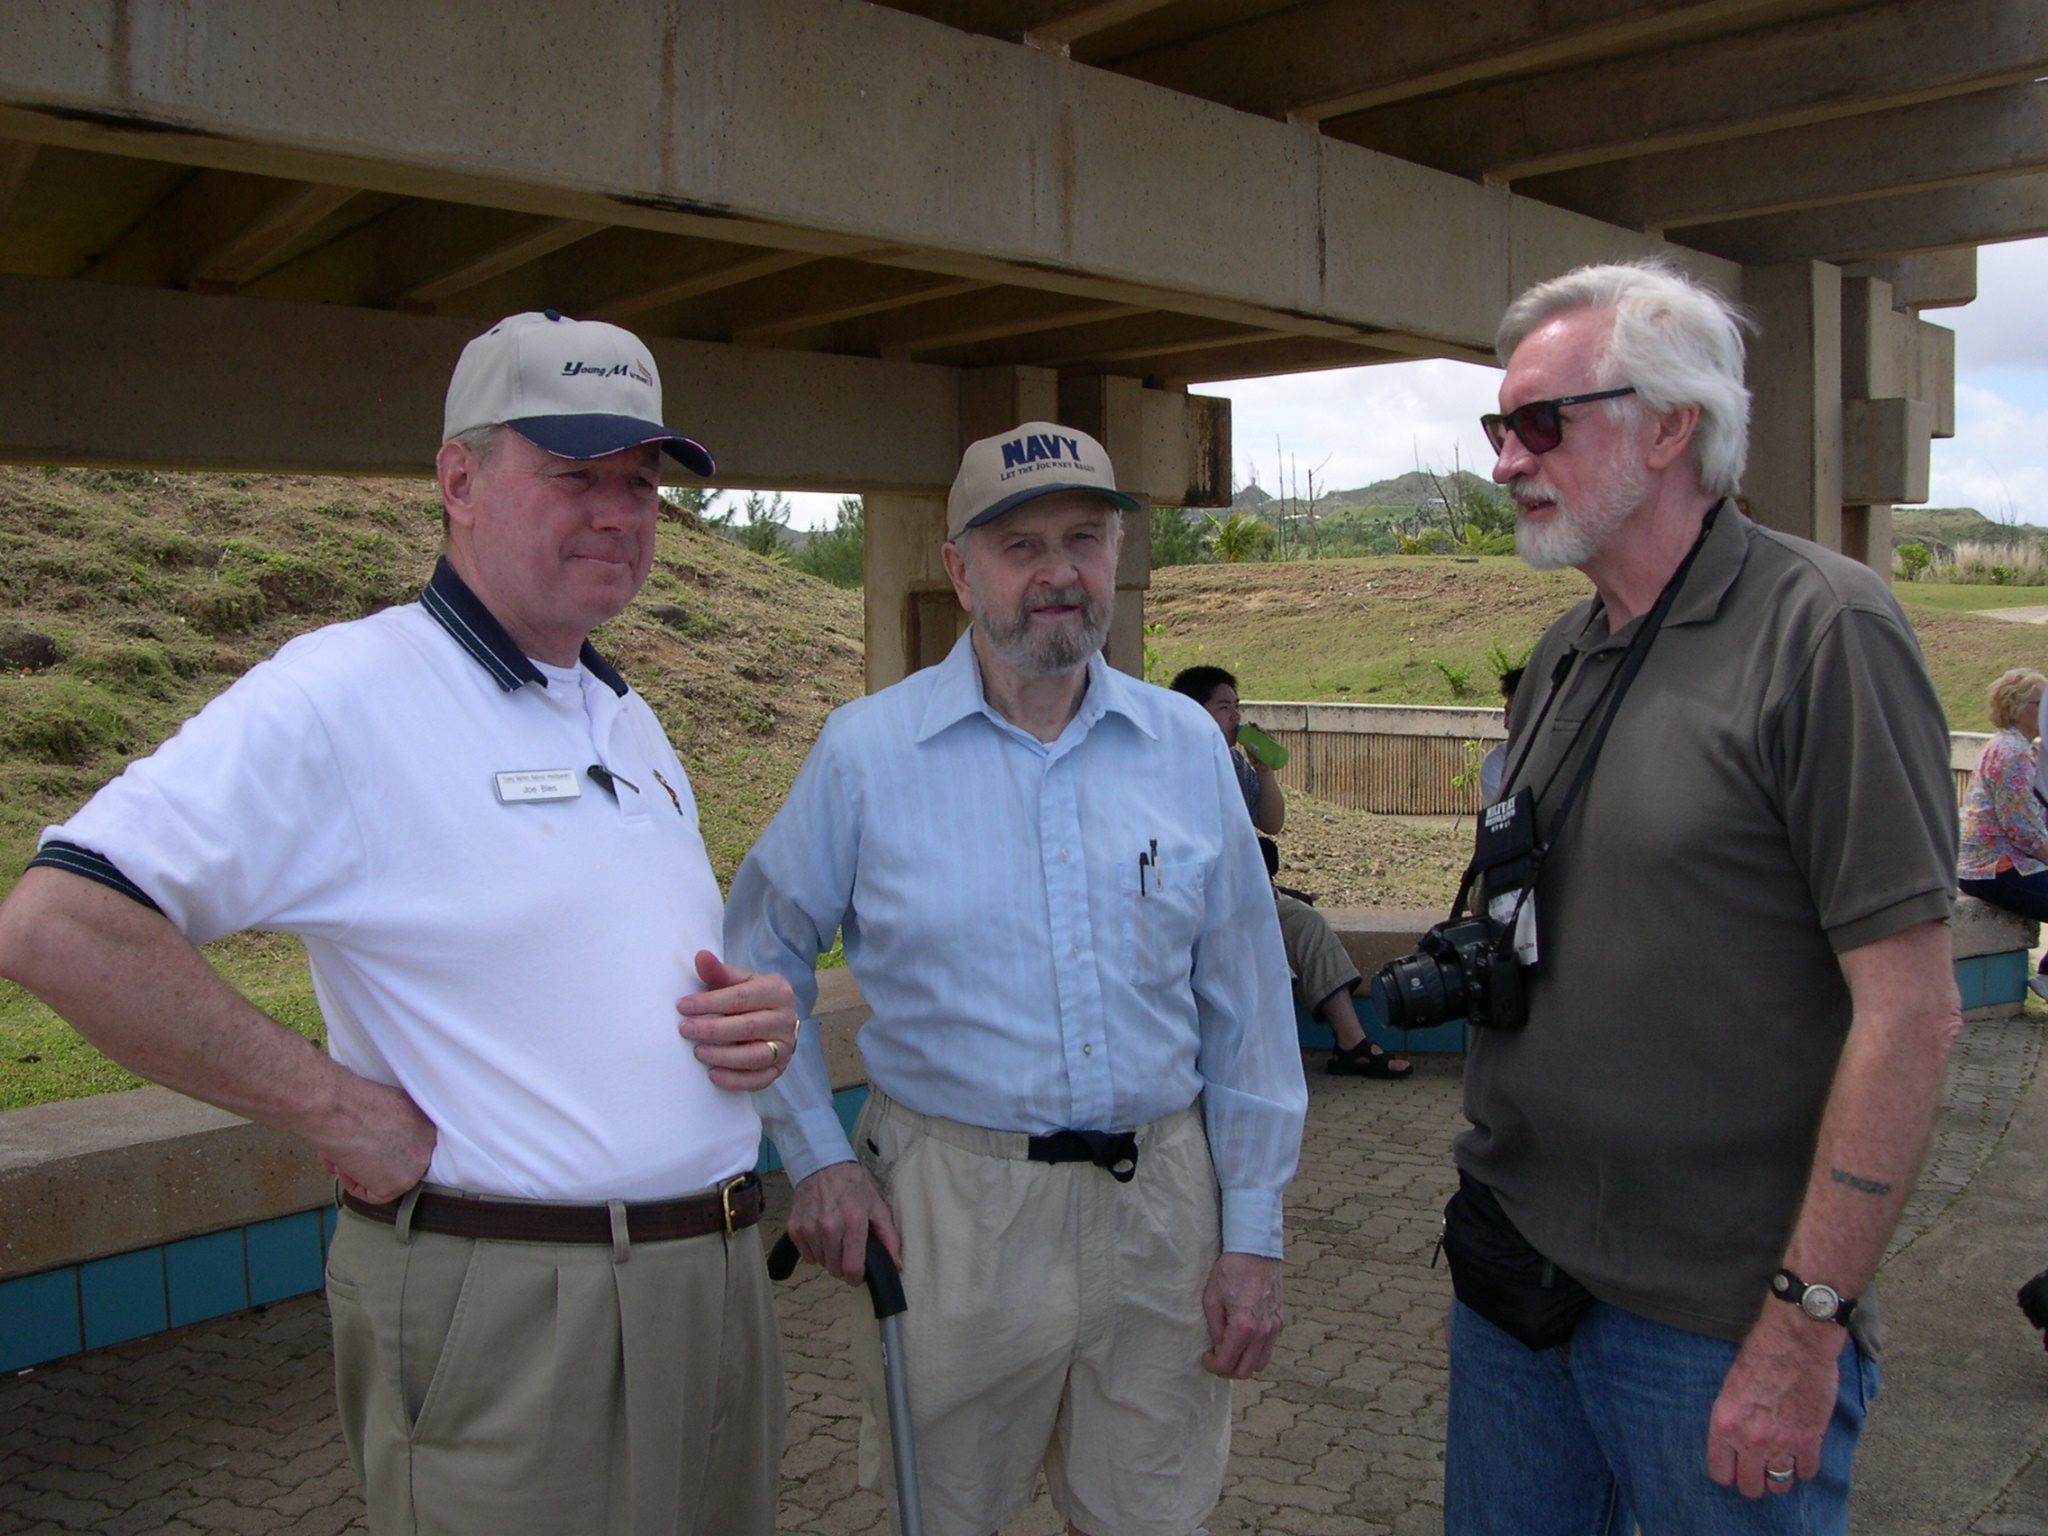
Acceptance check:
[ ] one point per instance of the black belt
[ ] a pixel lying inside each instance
(1115, 1152)
(734, 1205)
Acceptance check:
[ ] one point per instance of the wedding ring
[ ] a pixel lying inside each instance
(1778, 1477)
(775, 1057)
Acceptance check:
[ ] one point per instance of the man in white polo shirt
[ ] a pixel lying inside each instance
(549, 1303)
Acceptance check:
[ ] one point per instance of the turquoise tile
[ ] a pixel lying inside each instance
(1315, 1035)
(39, 1318)
(329, 1215)
(123, 1297)
(205, 1277)
(1970, 981)
(284, 1257)
(2005, 976)
(767, 1160)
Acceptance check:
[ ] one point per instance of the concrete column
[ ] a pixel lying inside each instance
(1794, 481)
(913, 618)
(1114, 411)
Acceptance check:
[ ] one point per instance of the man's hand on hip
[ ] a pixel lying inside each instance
(381, 1143)
(830, 1216)
(1245, 1314)
(1776, 1402)
(744, 1024)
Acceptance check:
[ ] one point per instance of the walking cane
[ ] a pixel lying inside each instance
(885, 1287)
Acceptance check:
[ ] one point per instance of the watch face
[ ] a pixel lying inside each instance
(1820, 1303)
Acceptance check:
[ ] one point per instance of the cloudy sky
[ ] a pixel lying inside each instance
(1358, 425)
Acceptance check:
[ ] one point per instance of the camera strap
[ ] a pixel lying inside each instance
(1615, 691)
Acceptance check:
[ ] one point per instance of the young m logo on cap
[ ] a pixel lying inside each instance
(578, 388)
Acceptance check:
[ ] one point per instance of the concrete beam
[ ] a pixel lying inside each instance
(630, 306)
(16, 161)
(1888, 354)
(1931, 280)
(288, 217)
(826, 311)
(542, 238)
(1056, 33)
(1054, 175)
(1960, 139)
(253, 384)
(2013, 209)
(1333, 57)
(1749, 82)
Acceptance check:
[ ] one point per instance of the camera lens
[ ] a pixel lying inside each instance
(1418, 992)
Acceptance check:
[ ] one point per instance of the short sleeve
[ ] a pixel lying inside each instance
(1861, 752)
(241, 820)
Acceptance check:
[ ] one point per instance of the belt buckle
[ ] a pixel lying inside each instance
(725, 1191)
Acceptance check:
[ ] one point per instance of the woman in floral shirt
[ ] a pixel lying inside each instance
(2005, 825)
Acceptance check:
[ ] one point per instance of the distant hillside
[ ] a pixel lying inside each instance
(1401, 495)
(1946, 527)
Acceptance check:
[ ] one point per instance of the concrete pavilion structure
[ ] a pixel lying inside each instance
(254, 234)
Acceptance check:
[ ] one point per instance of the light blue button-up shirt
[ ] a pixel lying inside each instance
(1074, 935)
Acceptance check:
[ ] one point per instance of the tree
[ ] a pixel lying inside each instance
(1177, 537)
(1914, 560)
(1238, 537)
(838, 554)
(767, 520)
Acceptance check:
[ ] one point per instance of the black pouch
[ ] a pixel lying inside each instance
(1498, 1274)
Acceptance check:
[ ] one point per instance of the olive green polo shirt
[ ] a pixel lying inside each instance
(1776, 790)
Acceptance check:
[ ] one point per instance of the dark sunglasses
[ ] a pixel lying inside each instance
(1537, 424)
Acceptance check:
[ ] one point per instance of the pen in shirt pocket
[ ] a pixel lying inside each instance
(1143, 862)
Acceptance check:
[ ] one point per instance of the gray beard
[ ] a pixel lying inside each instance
(1047, 653)
(1576, 534)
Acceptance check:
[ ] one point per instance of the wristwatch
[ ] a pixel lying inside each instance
(1822, 1303)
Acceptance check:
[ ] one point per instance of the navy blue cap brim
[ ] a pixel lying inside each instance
(594, 436)
(1017, 499)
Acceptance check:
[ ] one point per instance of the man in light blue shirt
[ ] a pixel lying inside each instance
(1087, 1094)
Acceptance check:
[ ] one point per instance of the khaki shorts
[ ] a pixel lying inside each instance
(1322, 966)
(542, 1389)
(1055, 1320)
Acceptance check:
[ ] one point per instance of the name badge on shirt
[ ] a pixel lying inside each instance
(521, 786)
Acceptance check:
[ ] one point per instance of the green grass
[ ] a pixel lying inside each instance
(1972, 598)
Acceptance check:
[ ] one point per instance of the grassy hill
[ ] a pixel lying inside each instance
(1399, 630)
(127, 600)
(1946, 527)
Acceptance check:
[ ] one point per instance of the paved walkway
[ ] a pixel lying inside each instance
(228, 1426)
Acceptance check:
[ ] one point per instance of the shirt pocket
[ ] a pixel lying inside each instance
(1162, 910)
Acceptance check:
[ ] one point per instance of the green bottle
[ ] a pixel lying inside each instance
(1261, 746)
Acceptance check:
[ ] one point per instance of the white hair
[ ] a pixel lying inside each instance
(1678, 343)
(482, 442)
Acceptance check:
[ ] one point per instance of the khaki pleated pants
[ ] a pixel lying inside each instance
(536, 1389)
(1055, 1322)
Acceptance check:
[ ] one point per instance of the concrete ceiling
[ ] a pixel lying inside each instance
(1178, 190)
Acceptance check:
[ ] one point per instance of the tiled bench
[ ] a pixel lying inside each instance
(133, 1212)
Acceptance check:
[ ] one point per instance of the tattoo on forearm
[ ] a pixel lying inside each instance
(1862, 1185)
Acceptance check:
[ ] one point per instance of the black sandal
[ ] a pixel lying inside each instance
(1366, 1059)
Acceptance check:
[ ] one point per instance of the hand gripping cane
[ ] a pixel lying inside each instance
(885, 1287)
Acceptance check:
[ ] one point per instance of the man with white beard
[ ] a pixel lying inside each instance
(1685, 1163)
(1086, 1094)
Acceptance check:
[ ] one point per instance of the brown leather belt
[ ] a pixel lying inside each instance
(734, 1205)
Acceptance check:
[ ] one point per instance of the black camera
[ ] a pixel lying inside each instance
(1464, 970)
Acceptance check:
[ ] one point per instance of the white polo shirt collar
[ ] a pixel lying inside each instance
(471, 625)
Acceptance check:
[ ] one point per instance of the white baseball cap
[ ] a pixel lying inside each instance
(578, 388)
(1036, 459)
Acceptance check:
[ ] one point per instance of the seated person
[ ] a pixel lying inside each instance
(2004, 855)
(1322, 970)
(1495, 763)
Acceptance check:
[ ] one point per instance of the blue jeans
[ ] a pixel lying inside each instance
(1611, 1431)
